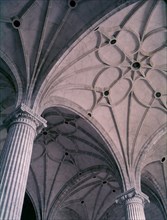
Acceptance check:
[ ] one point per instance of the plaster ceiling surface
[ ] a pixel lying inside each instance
(106, 59)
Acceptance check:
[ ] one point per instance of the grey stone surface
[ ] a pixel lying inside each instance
(96, 71)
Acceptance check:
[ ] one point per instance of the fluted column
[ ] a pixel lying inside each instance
(134, 202)
(15, 161)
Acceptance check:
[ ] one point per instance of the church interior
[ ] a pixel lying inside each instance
(83, 110)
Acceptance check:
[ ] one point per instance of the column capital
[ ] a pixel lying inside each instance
(132, 194)
(23, 114)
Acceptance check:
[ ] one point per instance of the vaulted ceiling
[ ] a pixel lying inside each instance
(105, 63)
(72, 169)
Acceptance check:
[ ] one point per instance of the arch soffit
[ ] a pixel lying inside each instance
(14, 70)
(156, 136)
(153, 187)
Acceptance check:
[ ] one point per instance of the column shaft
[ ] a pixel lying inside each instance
(134, 209)
(14, 164)
(134, 202)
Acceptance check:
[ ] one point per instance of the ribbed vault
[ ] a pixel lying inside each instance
(117, 74)
(105, 63)
(72, 168)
